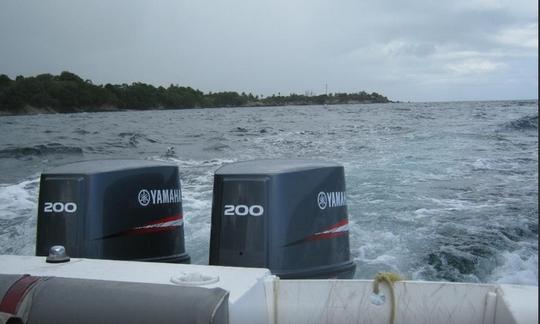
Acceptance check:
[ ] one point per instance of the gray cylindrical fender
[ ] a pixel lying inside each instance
(66, 300)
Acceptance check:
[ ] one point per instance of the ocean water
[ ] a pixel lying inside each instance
(436, 191)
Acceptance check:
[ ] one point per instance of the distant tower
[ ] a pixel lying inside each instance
(325, 94)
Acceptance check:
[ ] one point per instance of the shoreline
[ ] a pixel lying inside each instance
(29, 110)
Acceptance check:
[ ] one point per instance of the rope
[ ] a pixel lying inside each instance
(389, 278)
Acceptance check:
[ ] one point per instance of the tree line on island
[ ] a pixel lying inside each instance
(68, 92)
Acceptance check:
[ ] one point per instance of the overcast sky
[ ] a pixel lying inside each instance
(407, 50)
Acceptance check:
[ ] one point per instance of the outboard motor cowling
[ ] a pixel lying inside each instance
(112, 209)
(286, 215)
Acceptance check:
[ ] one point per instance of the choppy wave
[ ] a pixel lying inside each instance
(39, 150)
(522, 124)
(217, 147)
(519, 267)
(135, 138)
(18, 210)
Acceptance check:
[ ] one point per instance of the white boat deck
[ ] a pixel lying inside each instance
(256, 296)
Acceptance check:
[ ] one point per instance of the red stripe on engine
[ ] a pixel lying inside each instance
(336, 230)
(330, 231)
(157, 226)
(324, 236)
(166, 224)
(142, 231)
(165, 219)
(338, 224)
(16, 293)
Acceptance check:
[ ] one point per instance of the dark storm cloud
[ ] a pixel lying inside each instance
(407, 50)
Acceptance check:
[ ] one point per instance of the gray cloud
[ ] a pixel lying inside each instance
(407, 50)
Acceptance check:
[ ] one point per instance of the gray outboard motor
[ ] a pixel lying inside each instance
(112, 209)
(286, 215)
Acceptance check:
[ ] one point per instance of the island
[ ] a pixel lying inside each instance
(69, 93)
